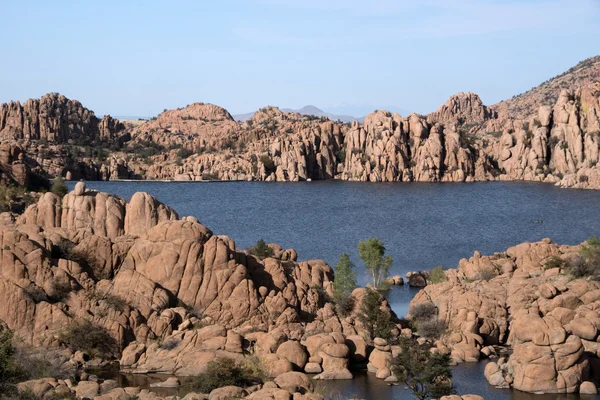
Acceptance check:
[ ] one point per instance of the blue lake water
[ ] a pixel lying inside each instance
(422, 225)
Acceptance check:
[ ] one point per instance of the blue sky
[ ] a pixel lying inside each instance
(139, 57)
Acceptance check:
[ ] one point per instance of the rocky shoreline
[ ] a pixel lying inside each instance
(174, 297)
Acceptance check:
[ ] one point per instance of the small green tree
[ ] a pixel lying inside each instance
(377, 321)
(372, 252)
(261, 249)
(59, 187)
(427, 374)
(343, 285)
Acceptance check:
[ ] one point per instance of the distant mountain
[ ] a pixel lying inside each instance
(243, 117)
(360, 110)
(128, 117)
(306, 110)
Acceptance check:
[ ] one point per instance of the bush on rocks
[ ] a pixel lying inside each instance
(431, 328)
(426, 321)
(437, 275)
(554, 262)
(91, 339)
(423, 311)
(261, 250)
(226, 372)
(587, 265)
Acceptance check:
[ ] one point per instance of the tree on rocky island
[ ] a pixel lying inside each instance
(261, 250)
(343, 285)
(377, 321)
(372, 252)
(426, 373)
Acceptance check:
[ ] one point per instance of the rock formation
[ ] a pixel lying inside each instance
(13, 168)
(172, 294)
(549, 134)
(518, 298)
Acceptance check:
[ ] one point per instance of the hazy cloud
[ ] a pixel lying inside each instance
(390, 21)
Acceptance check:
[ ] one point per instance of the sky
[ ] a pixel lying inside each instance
(138, 57)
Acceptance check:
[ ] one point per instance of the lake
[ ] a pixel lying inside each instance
(422, 225)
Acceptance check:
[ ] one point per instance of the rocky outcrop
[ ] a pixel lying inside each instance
(13, 168)
(141, 253)
(514, 299)
(461, 108)
(55, 119)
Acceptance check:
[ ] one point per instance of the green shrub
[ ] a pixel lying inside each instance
(113, 301)
(210, 176)
(60, 289)
(261, 250)
(225, 372)
(587, 265)
(14, 198)
(59, 187)
(377, 321)
(432, 328)
(268, 163)
(422, 311)
(437, 275)
(184, 153)
(485, 275)
(425, 320)
(554, 262)
(427, 374)
(11, 371)
(35, 293)
(91, 339)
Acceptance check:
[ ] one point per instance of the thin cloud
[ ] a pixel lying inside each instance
(401, 20)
